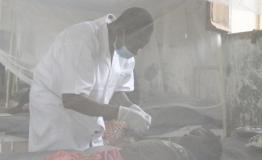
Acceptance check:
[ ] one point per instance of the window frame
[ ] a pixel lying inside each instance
(214, 26)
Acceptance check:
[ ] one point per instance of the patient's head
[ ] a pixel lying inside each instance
(202, 144)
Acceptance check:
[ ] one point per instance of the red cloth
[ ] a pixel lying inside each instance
(111, 154)
(114, 132)
(63, 155)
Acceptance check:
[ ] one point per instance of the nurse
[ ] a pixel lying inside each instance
(88, 64)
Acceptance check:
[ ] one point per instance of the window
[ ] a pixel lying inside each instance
(233, 19)
(220, 16)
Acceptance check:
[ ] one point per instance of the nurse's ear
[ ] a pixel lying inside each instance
(120, 39)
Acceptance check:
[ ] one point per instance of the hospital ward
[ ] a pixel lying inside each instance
(130, 80)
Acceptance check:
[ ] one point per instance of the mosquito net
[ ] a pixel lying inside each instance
(185, 63)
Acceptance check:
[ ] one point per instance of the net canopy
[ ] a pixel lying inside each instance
(28, 27)
(186, 60)
(186, 63)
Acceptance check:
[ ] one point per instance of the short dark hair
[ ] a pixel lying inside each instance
(135, 18)
(202, 144)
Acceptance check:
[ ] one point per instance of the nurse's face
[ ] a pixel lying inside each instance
(138, 39)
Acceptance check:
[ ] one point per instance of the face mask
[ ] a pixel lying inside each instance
(124, 52)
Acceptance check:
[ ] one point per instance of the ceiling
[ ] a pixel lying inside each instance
(113, 6)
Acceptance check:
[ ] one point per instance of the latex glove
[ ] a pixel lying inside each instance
(137, 119)
(146, 116)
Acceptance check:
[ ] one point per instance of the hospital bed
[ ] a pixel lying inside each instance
(14, 132)
(15, 127)
(233, 148)
(164, 119)
(15, 124)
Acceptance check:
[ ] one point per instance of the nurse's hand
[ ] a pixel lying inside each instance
(137, 120)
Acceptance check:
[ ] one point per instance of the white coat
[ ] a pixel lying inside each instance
(78, 62)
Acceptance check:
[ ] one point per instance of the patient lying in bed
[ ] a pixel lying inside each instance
(199, 144)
